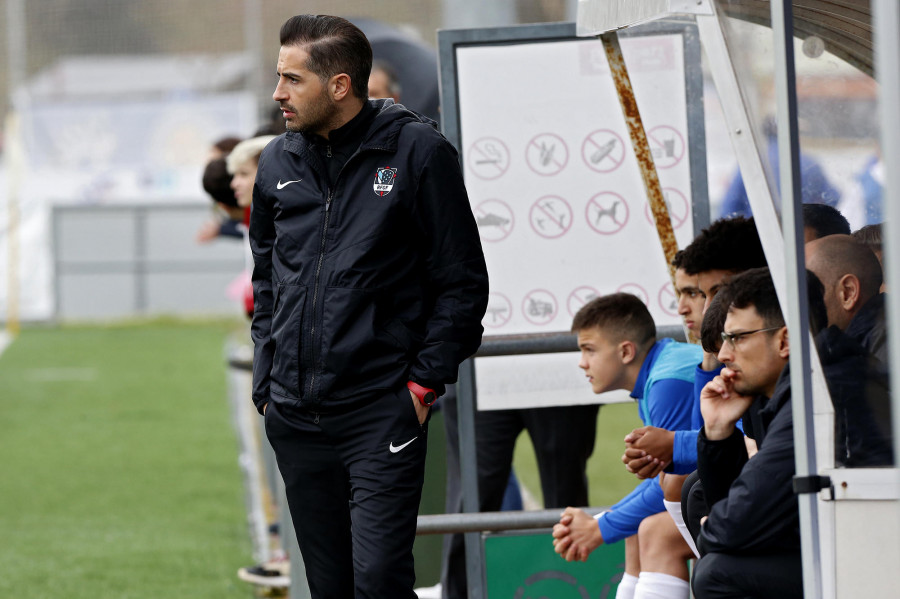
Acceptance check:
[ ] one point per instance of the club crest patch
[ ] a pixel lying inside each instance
(384, 180)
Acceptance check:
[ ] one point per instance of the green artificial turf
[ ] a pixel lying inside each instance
(607, 478)
(119, 465)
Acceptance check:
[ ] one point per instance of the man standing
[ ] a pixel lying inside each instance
(370, 286)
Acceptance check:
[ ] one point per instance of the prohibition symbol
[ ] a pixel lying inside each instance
(547, 154)
(551, 217)
(677, 204)
(607, 213)
(499, 311)
(495, 220)
(603, 151)
(635, 289)
(488, 158)
(668, 301)
(667, 146)
(539, 307)
(579, 297)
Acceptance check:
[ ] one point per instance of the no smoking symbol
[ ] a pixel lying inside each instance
(488, 158)
(667, 146)
(603, 151)
(551, 217)
(607, 213)
(495, 220)
(499, 311)
(547, 154)
(539, 307)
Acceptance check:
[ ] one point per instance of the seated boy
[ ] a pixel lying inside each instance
(619, 350)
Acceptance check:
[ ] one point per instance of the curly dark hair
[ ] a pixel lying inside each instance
(824, 220)
(728, 244)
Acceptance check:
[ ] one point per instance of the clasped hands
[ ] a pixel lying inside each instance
(648, 450)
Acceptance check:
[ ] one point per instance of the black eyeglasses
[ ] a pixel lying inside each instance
(732, 338)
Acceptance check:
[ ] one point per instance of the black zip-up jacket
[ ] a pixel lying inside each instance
(753, 508)
(369, 281)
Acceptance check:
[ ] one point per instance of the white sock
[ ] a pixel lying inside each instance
(674, 509)
(626, 587)
(654, 585)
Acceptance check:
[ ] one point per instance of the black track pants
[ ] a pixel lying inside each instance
(353, 482)
(722, 576)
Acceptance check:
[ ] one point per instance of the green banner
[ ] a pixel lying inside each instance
(524, 566)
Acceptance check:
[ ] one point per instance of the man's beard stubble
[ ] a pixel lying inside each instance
(317, 119)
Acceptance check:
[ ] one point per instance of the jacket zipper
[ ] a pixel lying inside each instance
(312, 329)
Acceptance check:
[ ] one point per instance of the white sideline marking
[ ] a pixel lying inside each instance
(5, 341)
(55, 375)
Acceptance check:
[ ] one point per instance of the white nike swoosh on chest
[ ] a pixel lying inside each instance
(286, 183)
(395, 449)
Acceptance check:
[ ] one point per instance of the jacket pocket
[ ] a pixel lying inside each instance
(287, 327)
(364, 346)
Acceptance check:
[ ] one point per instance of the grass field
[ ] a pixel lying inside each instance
(119, 475)
(607, 479)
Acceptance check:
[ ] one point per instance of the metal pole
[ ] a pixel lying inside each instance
(253, 40)
(886, 33)
(797, 300)
(641, 146)
(436, 524)
(468, 466)
(16, 55)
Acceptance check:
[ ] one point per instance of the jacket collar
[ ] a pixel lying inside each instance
(382, 134)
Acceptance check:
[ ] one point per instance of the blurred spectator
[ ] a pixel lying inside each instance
(815, 187)
(275, 124)
(222, 147)
(863, 203)
(217, 183)
(383, 82)
(242, 163)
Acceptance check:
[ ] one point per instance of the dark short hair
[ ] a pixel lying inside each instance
(824, 220)
(334, 45)
(678, 259)
(756, 288)
(730, 244)
(869, 236)
(714, 321)
(217, 183)
(622, 316)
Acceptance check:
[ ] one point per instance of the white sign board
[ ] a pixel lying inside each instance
(558, 195)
